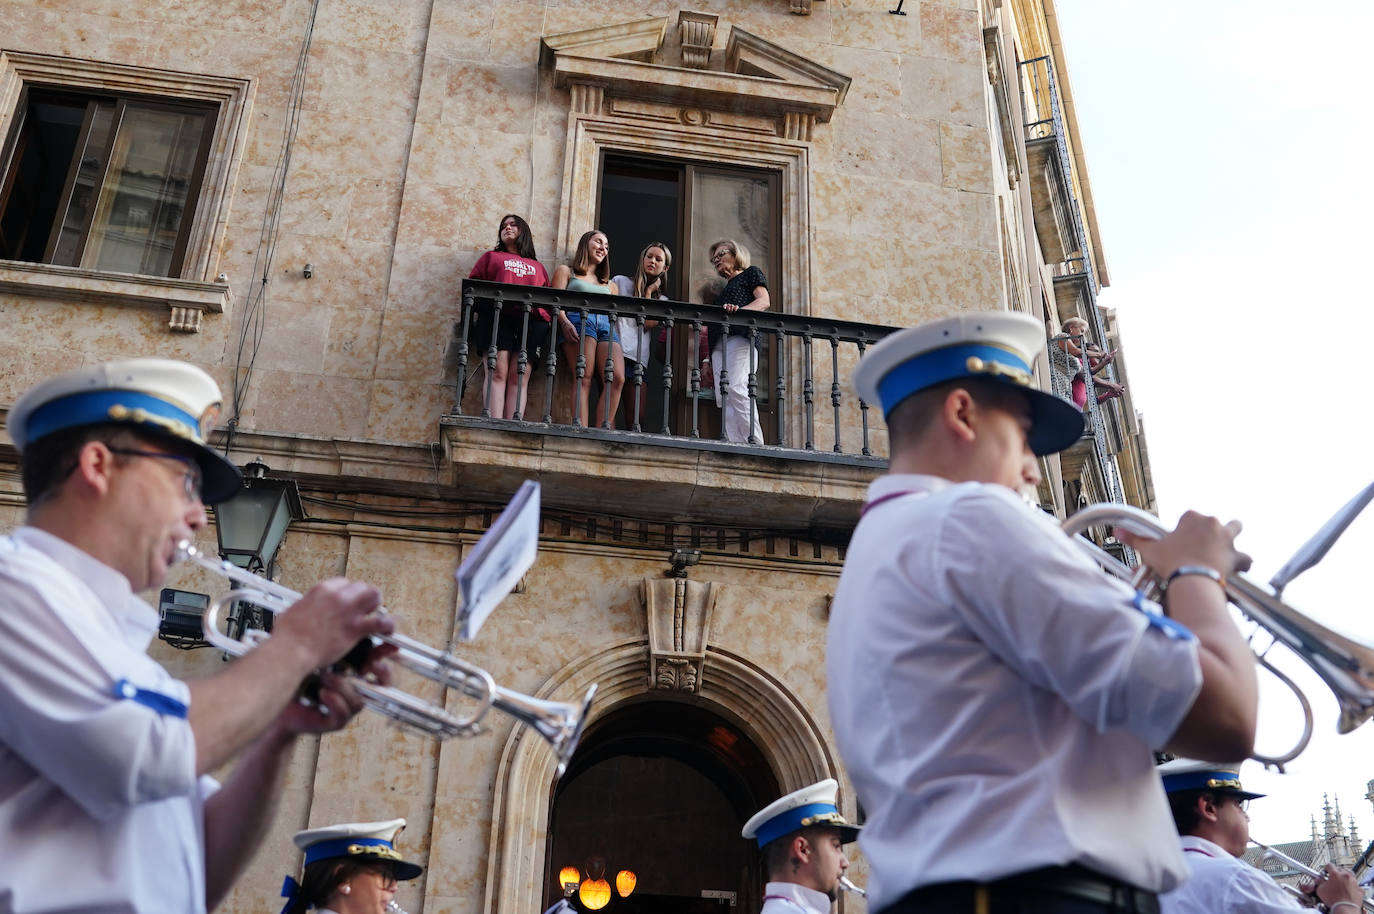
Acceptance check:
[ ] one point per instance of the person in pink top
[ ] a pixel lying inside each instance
(513, 260)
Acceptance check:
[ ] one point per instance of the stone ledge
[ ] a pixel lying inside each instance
(185, 300)
(801, 493)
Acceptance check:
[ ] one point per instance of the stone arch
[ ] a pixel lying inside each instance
(770, 714)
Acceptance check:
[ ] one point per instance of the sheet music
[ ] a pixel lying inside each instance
(497, 561)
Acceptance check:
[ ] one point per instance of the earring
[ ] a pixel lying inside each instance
(345, 888)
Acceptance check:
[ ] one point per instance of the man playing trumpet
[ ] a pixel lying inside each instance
(802, 837)
(1208, 804)
(105, 799)
(995, 696)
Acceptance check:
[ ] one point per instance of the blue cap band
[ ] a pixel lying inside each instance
(790, 821)
(1203, 780)
(930, 368)
(339, 847)
(111, 406)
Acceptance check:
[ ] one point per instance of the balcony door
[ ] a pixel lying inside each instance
(688, 206)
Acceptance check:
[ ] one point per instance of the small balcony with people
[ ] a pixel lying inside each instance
(726, 411)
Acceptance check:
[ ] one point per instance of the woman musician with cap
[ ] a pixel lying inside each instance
(349, 869)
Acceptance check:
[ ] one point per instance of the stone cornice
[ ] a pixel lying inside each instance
(798, 496)
(697, 88)
(745, 51)
(637, 40)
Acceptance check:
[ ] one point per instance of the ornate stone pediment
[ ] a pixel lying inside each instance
(646, 67)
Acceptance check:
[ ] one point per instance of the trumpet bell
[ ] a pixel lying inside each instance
(560, 723)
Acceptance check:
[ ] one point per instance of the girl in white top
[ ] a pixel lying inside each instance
(650, 281)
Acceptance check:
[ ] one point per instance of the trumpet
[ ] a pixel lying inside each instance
(560, 723)
(1346, 666)
(1303, 868)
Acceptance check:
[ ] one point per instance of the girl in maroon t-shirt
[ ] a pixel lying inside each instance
(512, 260)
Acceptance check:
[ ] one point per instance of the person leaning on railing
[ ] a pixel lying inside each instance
(1077, 328)
(592, 337)
(650, 281)
(746, 288)
(513, 260)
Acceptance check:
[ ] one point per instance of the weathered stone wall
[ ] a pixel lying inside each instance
(421, 124)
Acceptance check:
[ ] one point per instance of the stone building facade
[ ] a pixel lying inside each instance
(289, 193)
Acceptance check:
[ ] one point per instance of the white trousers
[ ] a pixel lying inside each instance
(737, 415)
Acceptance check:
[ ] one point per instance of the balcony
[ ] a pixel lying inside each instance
(1053, 200)
(1092, 458)
(665, 442)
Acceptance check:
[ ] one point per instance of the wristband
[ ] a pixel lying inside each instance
(1210, 574)
(1336, 904)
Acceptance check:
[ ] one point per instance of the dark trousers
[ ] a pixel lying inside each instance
(1058, 889)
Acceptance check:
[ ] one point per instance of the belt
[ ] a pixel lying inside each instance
(1049, 889)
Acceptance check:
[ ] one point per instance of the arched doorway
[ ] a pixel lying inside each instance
(663, 788)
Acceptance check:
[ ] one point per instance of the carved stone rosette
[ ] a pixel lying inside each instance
(679, 620)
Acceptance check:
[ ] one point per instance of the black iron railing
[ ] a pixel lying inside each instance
(797, 363)
(1045, 123)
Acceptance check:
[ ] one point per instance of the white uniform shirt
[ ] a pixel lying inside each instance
(995, 696)
(790, 898)
(1222, 884)
(100, 807)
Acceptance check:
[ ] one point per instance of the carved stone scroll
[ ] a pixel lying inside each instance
(184, 320)
(698, 34)
(679, 619)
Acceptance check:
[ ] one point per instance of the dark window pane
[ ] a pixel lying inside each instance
(101, 182)
(48, 132)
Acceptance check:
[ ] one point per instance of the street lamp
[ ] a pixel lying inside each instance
(250, 527)
(252, 524)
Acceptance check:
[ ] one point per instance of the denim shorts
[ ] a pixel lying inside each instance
(598, 326)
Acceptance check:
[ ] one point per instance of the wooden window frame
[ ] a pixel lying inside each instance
(195, 288)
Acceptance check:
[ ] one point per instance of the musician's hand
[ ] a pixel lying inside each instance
(335, 704)
(330, 619)
(1197, 540)
(1339, 885)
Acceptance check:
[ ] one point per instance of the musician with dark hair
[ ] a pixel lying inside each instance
(802, 837)
(105, 799)
(995, 695)
(1209, 809)
(349, 869)
(513, 260)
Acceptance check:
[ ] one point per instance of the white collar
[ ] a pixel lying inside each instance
(808, 899)
(1202, 845)
(897, 483)
(134, 617)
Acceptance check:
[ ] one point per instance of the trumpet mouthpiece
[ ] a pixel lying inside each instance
(851, 887)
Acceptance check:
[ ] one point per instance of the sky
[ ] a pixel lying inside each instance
(1227, 148)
